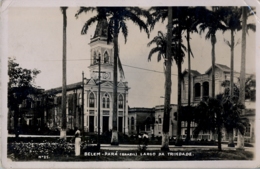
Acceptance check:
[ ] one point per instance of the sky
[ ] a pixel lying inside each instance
(35, 40)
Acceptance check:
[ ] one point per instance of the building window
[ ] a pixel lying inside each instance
(197, 90)
(205, 89)
(159, 119)
(106, 57)
(120, 100)
(108, 102)
(132, 123)
(95, 58)
(186, 92)
(247, 131)
(104, 102)
(91, 100)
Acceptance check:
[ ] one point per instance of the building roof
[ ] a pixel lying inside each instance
(193, 72)
(101, 29)
(224, 68)
(69, 87)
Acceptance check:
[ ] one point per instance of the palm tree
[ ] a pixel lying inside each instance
(161, 42)
(64, 90)
(164, 49)
(211, 20)
(189, 22)
(117, 17)
(161, 13)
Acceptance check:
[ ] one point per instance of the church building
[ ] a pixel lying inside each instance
(101, 52)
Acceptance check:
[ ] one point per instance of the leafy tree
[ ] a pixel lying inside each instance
(64, 75)
(232, 111)
(117, 17)
(208, 116)
(20, 86)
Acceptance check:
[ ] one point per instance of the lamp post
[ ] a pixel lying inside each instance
(98, 139)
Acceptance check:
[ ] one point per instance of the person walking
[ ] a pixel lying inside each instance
(77, 142)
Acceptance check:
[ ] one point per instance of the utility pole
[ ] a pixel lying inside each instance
(82, 105)
(99, 81)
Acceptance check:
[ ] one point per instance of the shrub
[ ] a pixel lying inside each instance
(31, 150)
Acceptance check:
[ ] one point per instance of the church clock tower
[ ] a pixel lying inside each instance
(99, 47)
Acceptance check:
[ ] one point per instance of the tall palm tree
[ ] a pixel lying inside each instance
(161, 13)
(117, 17)
(161, 42)
(64, 90)
(240, 138)
(189, 21)
(232, 16)
(211, 20)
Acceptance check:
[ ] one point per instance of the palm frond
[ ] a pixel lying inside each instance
(84, 9)
(135, 19)
(88, 23)
(251, 27)
(124, 29)
(154, 50)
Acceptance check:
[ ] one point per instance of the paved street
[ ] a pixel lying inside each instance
(172, 147)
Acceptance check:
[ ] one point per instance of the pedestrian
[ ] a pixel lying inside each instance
(77, 142)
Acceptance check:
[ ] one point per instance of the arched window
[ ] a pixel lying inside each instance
(104, 102)
(91, 100)
(106, 58)
(197, 90)
(120, 101)
(108, 102)
(95, 58)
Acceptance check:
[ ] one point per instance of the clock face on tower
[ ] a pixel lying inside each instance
(106, 75)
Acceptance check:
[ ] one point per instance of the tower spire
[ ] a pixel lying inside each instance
(101, 29)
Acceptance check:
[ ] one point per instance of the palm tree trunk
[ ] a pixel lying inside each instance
(230, 133)
(64, 98)
(213, 42)
(168, 85)
(189, 86)
(114, 137)
(179, 62)
(219, 133)
(240, 141)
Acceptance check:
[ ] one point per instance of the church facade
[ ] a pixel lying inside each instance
(82, 97)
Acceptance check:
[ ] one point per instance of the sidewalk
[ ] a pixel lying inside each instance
(172, 147)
